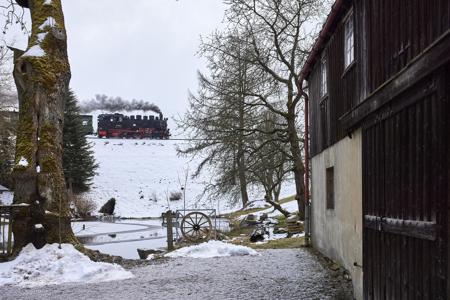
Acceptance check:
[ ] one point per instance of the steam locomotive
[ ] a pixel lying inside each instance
(121, 126)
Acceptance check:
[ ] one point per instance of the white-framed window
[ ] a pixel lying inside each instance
(323, 77)
(349, 41)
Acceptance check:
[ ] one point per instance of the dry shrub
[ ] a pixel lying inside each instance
(174, 196)
(83, 207)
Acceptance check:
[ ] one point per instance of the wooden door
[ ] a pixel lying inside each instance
(405, 195)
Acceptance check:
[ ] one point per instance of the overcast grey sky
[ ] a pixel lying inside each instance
(142, 49)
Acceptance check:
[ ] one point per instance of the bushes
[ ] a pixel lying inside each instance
(82, 207)
(174, 196)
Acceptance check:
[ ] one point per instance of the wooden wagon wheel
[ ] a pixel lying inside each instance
(196, 226)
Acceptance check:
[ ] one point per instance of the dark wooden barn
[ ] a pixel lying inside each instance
(395, 88)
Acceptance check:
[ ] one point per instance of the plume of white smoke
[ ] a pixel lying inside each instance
(114, 104)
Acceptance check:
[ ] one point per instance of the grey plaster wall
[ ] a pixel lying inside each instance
(337, 232)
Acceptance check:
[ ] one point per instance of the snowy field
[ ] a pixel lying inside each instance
(140, 174)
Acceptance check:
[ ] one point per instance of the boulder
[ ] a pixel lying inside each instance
(108, 207)
(258, 234)
(249, 221)
(144, 253)
(263, 217)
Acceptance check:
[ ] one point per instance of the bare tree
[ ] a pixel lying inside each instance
(268, 163)
(8, 105)
(277, 31)
(218, 116)
(42, 75)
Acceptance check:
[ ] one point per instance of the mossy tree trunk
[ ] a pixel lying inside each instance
(42, 76)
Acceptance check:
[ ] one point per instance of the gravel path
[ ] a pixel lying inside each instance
(275, 274)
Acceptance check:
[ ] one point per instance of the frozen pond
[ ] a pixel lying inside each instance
(124, 237)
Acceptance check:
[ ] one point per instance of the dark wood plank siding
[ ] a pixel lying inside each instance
(406, 195)
(398, 31)
(343, 90)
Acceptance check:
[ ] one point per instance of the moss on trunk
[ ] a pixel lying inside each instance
(42, 76)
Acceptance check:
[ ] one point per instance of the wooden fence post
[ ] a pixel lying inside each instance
(169, 231)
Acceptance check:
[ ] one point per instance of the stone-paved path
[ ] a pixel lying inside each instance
(275, 274)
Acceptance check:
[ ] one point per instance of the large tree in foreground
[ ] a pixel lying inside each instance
(42, 76)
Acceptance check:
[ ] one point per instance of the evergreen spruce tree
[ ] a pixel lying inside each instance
(78, 159)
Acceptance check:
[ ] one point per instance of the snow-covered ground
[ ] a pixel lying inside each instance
(140, 174)
(212, 249)
(51, 265)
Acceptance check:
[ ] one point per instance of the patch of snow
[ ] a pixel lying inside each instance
(51, 265)
(23, 162)
(212, 249)
(41, 36)
(38, 169)
(257, 204)
(48, 2)
(151, 257)
(38, 226)
(49, 22)
(35, 51)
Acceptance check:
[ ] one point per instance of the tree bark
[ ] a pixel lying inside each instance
(241, 158)
(42, 76)
(277, 206)
(298, 163)
(241, 153)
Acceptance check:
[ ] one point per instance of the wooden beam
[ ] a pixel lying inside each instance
(416, 229)
(431, 59)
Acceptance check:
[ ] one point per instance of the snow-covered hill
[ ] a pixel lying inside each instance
(140, 174)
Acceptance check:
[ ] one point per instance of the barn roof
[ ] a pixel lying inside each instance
(338, 10)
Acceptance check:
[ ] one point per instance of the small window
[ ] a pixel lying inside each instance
(349, 41)
(324, 73)
(330, 187)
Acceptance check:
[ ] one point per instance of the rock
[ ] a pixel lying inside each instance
(108, 207)
(263, 217)
(249, 221)
(280, 230)
(258, 234)
(144, 253)
(334, 267)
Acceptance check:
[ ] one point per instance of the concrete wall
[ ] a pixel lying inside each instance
(337, 233)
